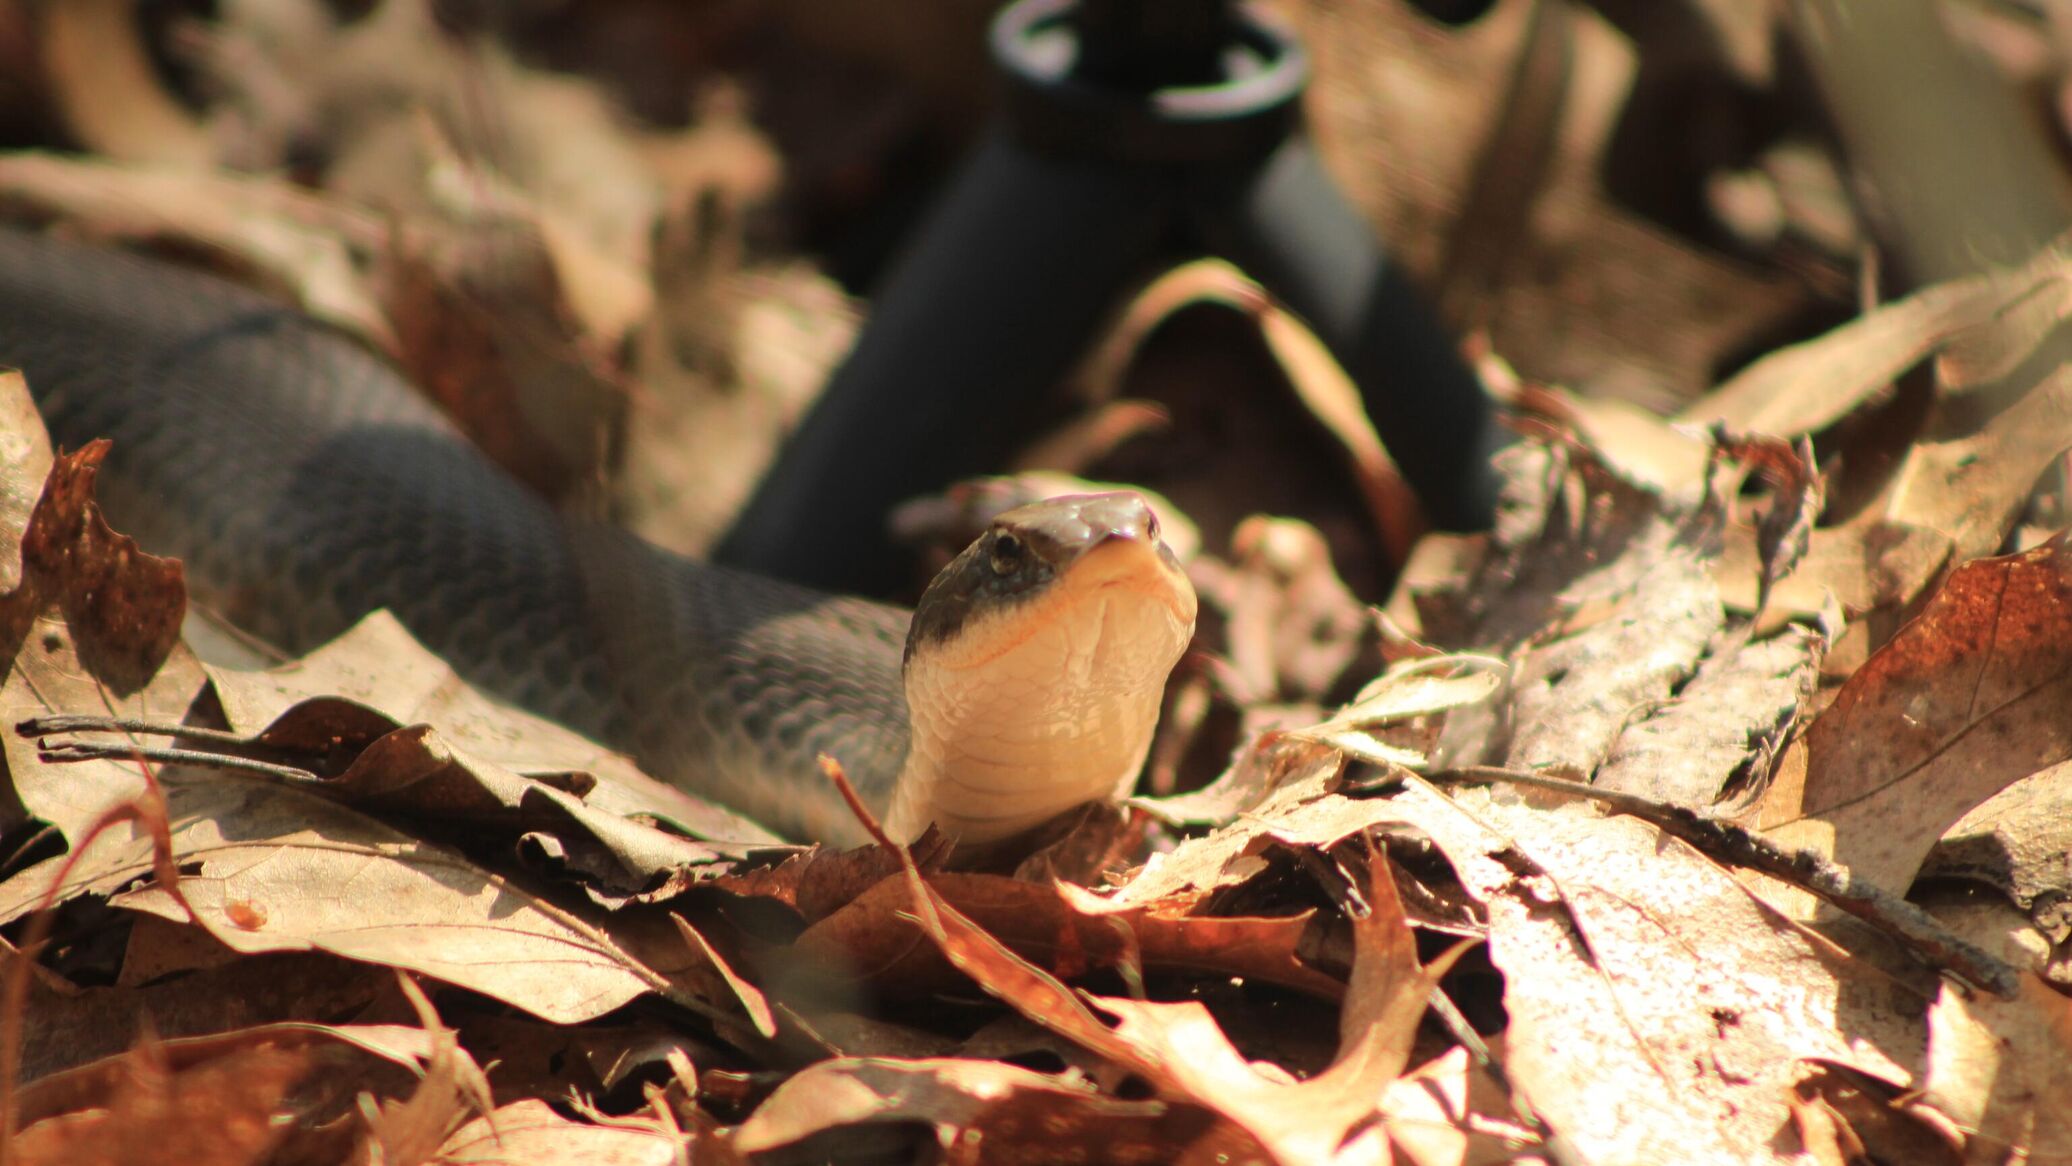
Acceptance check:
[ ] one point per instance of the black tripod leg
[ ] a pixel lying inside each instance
(1012, 275)
(1289, 228)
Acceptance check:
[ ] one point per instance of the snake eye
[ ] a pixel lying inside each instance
(1007, 554)
(1151, 527)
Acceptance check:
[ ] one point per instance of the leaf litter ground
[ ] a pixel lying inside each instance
(349, 910)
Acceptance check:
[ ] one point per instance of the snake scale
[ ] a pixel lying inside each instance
(306, 484)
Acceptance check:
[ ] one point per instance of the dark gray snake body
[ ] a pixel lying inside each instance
(306, 485)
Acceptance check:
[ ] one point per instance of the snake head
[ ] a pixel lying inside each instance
(1035, 664)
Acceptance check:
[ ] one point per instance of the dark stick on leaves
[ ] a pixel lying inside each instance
(1882, 909)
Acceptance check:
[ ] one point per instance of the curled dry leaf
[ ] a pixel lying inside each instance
(410, 1129)
(1067, 931)
(818, 882)
(1300, 811)
(1318, 381)
(2002, 1071)
(752, 1000)
(1183, 1054)
(1996, 426)
(2019, 841)
(1406, 692)
(54, 670)
(123, 606)
(1646, 450)
(1330, 1118)
(1797, 493)
(1809, 386)
(107, 90)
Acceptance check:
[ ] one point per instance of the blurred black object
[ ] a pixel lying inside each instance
(1132, 129)
(1454, 11)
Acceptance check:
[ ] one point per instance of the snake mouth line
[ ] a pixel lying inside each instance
(1116, 566)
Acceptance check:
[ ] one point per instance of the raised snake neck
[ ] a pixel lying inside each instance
(306, 485)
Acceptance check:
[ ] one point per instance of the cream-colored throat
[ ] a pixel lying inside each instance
(1005, 740)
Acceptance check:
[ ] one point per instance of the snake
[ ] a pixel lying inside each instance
(305, 484)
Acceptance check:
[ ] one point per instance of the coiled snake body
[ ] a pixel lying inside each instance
(306, 485)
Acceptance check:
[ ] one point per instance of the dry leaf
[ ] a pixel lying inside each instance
(410, 1129)
(1067, 931)
(1572, 699)
(310, 248)
(1809, 386)
(485, 327)
(1870, 1120)
(1330, 1117)
(752, 1001)
(1319, 383)
(226, 1110)
(122, 606)
(1656, 1008)
(1965, 700)
(531, 1133)
(1444, 1113)
(1972, 487)
(285, 853)
(818, 882)
(1301, 811)
(62, 1031)
(1641, 447)
(345, 1054)
(2020, 842)
(1797, 493)
(1726, 721)
(981, 1110)
(2002, 1070)
(379, 665)
(110, 94)
(1407, 691)
(1180, 1050)
(1869, 564)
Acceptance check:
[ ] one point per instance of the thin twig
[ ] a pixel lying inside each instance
(56, 723)
(237, 754)
(1887, 912)
(72, 751)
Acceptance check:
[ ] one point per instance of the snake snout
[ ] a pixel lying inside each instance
(1035, 667)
